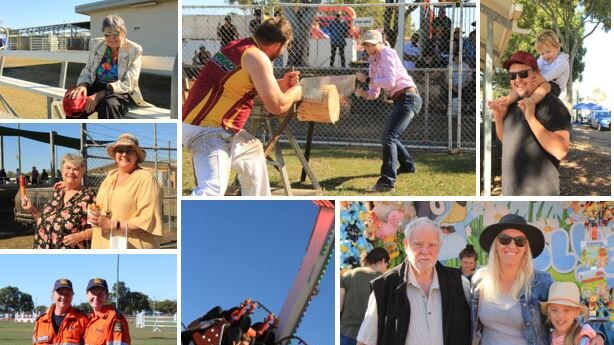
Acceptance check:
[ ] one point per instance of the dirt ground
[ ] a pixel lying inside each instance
(587, 168)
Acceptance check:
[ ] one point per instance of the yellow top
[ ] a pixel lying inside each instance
(137, 200)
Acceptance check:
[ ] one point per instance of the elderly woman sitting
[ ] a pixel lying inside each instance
(111, 75)
(62, 223)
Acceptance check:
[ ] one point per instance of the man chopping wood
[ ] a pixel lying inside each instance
(221, 101)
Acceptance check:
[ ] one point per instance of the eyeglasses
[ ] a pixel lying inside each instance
(114, 33)
(522, 74)
(519, 241)
(121, 150)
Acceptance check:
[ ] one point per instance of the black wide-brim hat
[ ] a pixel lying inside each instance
(514, 221)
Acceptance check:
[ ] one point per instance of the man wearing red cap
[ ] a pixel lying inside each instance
(535, 137)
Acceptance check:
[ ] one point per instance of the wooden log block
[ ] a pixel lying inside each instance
(323, 109)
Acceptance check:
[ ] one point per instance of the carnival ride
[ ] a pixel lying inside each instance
(227, 327)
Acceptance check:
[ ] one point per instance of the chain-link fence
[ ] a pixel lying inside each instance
(435, 41)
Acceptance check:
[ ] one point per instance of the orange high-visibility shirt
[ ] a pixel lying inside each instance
(70, 332)
(109, 327)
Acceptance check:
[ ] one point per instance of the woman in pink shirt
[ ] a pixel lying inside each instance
(386, 71)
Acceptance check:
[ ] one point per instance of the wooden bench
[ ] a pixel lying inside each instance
(55, 95)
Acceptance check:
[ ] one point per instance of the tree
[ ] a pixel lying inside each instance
(166, 306)
(84, 307)
(568, 19)
(12, 300)
(119, 293)
(137, 302)
(41, 309)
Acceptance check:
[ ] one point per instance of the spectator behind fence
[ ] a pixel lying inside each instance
(411, 52)
(201, 56)
(130, 201)
(214, 133)
(442, 24)
(44, 177)
(3, 177)
(62, 222)
(338, 31)
(34, 175)
(227, 32)
(355, 290)
(110, 78)
(254, 23)
(469, 47)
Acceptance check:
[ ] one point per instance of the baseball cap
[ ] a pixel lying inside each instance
(522, 57)
(97, 282)
(372, 36)
(62, 283)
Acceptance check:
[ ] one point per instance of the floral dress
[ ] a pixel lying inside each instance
(107, 70)
(58, 219)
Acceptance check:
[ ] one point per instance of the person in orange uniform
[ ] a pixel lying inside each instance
(61, 324)
(107, 325)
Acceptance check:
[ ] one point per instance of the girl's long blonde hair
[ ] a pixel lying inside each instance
(572, 332)
(489, 276)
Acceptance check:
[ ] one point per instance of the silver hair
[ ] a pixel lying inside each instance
(114, 22)
(422, 221)
(74, 159)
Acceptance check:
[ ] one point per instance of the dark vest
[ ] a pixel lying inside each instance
(393, 308)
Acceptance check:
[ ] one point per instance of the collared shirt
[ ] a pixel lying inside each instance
(556, 71)
(425, 324)
(387, 72)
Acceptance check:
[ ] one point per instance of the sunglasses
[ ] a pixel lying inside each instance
(522, 74)
(121, 150)
(114, 33)
(519, 241)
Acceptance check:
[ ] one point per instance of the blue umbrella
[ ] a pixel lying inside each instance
(586, 105)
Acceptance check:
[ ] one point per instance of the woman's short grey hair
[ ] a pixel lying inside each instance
(114, 22)
(414, 224)
(74, 159)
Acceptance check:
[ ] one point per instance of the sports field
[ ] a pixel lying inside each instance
(13, 333)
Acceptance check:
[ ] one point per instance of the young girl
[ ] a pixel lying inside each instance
(562, 310)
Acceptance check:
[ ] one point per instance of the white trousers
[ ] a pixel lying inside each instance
(215, 151)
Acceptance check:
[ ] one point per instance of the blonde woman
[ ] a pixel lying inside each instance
(505, 306)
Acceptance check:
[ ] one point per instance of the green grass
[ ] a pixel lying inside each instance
(350, 171)
(13, 333)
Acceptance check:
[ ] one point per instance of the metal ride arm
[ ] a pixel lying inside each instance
(305, 285)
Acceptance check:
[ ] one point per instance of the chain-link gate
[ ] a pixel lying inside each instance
(435, 40)
(161, 160)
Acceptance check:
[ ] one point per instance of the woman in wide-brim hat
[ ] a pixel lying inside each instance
(129, 199)
(507, 292)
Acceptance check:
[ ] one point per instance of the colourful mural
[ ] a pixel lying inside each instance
(565, 225)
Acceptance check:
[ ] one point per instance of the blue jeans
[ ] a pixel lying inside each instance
(347, 340)
(394, 153)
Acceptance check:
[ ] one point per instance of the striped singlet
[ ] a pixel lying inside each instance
(223, 95)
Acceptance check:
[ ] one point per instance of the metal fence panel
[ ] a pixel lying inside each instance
(327, 42)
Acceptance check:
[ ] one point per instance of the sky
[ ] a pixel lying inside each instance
(597, 59)
(233, 250)
(35, 274)
(34, 153)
